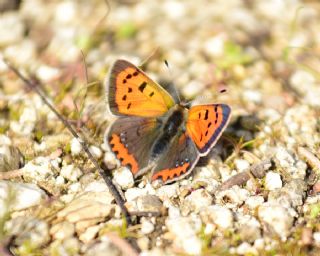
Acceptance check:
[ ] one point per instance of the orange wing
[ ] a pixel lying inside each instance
(133, 93)
(179, 160)
(206, 123)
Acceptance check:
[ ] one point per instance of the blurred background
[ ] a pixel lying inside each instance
(251, 47)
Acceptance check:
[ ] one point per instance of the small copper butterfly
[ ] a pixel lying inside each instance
(155, 131)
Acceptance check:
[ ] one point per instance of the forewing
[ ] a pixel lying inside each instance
(206, 123)
(131, 92)
(130, 139)
(178, 161)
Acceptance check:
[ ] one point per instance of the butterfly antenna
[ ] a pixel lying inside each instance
(102, 19)
(147, 59)
(167, 65)
(171, 88)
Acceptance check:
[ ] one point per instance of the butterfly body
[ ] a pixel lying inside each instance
(155, 131)
(171, 125)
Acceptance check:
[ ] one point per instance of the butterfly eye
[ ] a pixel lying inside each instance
(177, 163)
(181, 163)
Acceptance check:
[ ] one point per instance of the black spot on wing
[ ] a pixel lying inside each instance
(206, 115)
(142, 86)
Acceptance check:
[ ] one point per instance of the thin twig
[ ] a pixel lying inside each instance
(121, 244)
(310, 159)
(257, 170)
(145, 214)
(36, 87)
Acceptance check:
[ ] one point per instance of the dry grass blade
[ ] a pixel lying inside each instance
(122, 245)
(310, 158)
(36, 87)
(11, 174)
(5, 247)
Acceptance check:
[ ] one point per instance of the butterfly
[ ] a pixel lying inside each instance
(154, 130)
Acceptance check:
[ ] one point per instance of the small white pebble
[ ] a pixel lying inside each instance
(252, 96)
(168, 191)
(193, 88)
(12, 28)
(70, 172)
(75, 187)
(104, 146)
(65, 12)
(209, 228)
(38, 147)
(259, 244)
(75, 147)
(220, 215)
(316, 237)
(133, 193)
(47, 73)
(241, 164)
(96, 151)
(277, 217)
(198, 200)
(110, 160)
(246, 249)
(60, 180)
(301, 80)
(214, 46)
(4, 140)
(123, 177)
(192, 245)
(147, 227)
(56, 162)
(254, 201)
(273, 181)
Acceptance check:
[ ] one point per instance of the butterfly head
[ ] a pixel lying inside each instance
(186, 104)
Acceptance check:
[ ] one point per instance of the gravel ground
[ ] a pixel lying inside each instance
(257, 193)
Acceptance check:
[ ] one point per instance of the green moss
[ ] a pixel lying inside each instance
(28, 249)
(233, 55)
(9, 199)
(38, 135)
(84, 42)
(126, 30)
(314, 210)
(4, 129)
(205, 238)
(67, 148)
(122, 230)
(15, 113)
